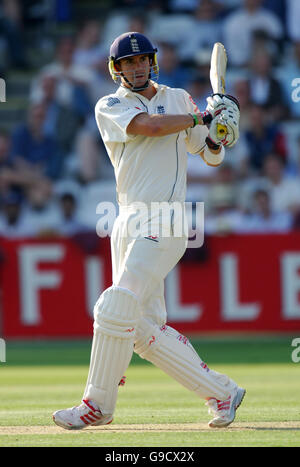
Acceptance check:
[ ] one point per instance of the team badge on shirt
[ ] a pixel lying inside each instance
(161, 109)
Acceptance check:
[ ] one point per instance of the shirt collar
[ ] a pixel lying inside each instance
(126, 92)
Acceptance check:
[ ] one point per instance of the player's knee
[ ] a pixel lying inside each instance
(134, 283)
(147, 338)
(150, 337)
(117, 312)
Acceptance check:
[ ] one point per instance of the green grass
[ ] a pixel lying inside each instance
(40, 377)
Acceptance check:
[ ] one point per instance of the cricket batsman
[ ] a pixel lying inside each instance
(147, 129)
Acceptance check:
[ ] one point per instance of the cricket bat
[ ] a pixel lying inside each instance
(217, 74)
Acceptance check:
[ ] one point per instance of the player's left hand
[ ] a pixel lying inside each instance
(230, 119)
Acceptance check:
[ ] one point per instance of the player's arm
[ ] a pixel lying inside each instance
(161, 125)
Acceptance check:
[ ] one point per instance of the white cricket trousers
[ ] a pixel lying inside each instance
(131, 315)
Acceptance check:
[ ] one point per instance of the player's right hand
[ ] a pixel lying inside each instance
(218, 102)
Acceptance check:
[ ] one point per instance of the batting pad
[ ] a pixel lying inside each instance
(174, 354)
(115, 319)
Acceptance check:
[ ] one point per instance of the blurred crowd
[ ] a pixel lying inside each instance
(53, 166)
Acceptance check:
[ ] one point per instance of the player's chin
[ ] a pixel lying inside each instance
(140, 83)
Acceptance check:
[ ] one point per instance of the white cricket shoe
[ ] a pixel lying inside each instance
(224, 411)
(81, 416)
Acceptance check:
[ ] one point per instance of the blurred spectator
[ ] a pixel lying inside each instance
(241, 90)
(77, 138)
(11, 180)
(170, 28)
(138, 22)
(11, 30)
(73, 80)
(199, 88)
(238, 158)
(293, 15)
(91, 161)
(278, 7)
(34, 153)
(91, 53)
(223, 217)
(4, 148)
(37, 13)
(61, 121)
(171, 73)
(264, 219)
(138, 19)
(200, 68)
(182, 6)
(199, 177)
(69, 222)
(12, 220)
(239, 155)
(293, 168)
(240, 26)
(62, 10)
(226, 175)
(5, 165)
(262, 138)
(40, 211)
(284, 190)
(205, 30)
(265, 90)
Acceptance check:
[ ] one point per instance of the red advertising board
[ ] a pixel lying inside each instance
(237, 283)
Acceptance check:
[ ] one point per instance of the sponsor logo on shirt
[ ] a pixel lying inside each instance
(112, 101)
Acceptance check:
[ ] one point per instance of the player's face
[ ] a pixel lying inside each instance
(136, 70)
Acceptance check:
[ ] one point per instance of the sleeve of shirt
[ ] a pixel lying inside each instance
(195, 137)
(113, 115)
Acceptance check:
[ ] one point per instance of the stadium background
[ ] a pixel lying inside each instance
(54, 170)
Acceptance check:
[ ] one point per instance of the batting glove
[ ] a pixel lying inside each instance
(227, 118)
(218, 102)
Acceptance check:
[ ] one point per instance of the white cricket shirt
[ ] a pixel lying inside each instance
(148, 168)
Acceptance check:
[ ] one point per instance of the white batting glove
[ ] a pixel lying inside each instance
(215, 105)
(230, 120)
(218, 102)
